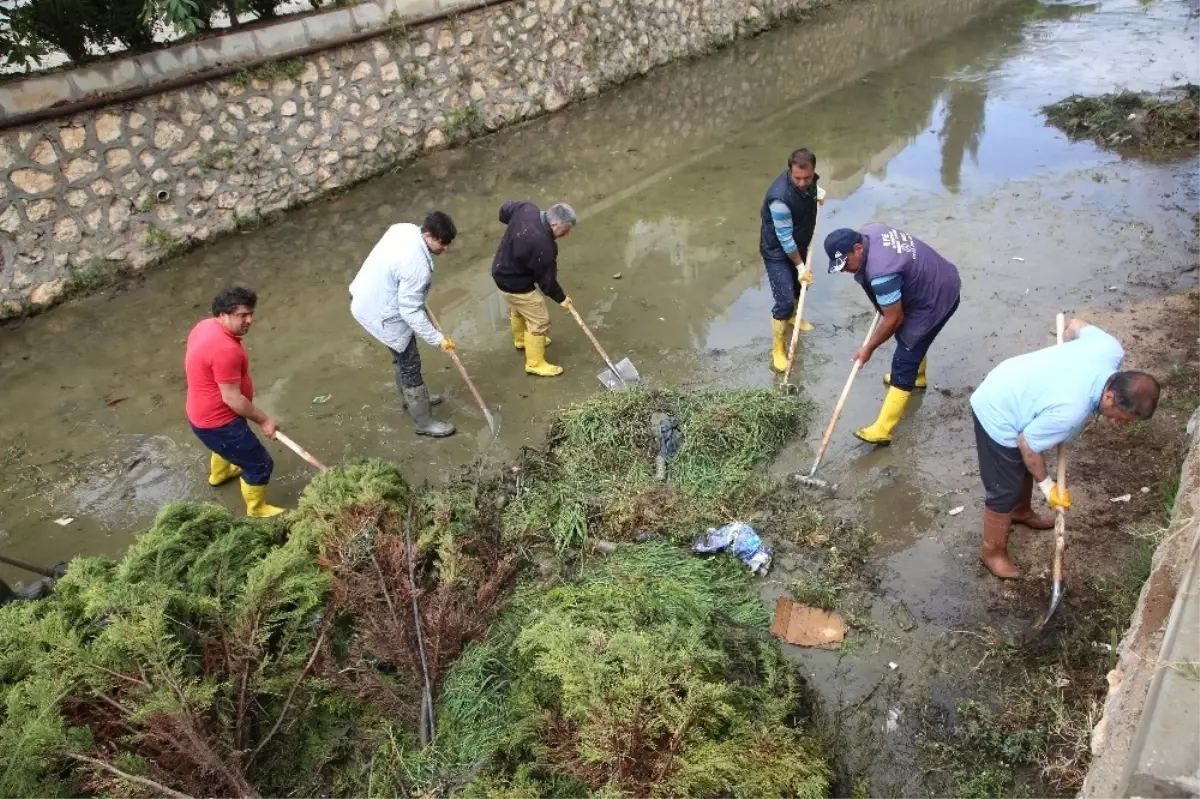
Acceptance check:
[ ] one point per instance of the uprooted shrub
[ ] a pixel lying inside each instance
(596, 477)
(651, 674)
(218, 658)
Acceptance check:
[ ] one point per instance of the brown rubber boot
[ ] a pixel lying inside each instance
(994, 554)
(1024, 515)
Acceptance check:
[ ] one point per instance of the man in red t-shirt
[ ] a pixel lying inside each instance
(220, 398)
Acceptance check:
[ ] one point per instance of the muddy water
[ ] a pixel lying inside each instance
(924, 114)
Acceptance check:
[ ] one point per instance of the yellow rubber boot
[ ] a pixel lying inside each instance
(921, 384)
(805, 325)
(256, 502)
(535, 357)
(779, 345)
(894, 404)
(517, 323)
(221, 471)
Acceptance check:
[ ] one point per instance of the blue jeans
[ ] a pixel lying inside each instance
(236, 443)
(784, 278)
(905, 361)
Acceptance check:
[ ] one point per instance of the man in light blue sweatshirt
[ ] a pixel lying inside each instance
(1030, 404)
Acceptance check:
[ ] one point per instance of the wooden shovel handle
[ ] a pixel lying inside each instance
(800, 303)
(1060, 516)
(462, 370)
(301, 451)
(588, 332)
(1061, 452)
(837, 410)
(29, 567)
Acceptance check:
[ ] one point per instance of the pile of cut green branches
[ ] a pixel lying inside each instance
(236, 657)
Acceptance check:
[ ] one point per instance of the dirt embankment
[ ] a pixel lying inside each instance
(1024, 727)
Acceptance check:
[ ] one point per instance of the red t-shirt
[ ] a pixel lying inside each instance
(214, 356)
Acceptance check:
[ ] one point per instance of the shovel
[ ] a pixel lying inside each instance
(615, 376)
(1060, 523)
(53, 574)
(493, 419)
(785, 385)
(811, 478)
(301, 451)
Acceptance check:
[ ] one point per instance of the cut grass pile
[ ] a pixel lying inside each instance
(1133, 121)
(596, 476)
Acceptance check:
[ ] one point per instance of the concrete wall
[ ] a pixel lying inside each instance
(1146, 741)
(119, 187)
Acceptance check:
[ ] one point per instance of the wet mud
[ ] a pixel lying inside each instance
(932, 124)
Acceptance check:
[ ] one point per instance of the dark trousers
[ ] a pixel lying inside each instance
(1002, 470)
(407, 364)
(236, 443)
(905, 361)
(784, 278)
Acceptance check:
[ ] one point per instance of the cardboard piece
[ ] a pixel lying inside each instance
(803, 625)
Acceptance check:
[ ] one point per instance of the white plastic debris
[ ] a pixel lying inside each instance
(1145, 489)
(1122, 498)
(893, 666)
(1018, 258)
(63, 521)
(956, 511)
(893, 720)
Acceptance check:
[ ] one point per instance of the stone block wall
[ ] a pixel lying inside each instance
(120, 187)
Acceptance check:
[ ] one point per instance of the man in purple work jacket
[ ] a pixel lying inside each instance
(916, 291)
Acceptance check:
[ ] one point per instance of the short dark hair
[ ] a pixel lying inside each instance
(228, 300)
(440, 226)
(1135, 393)
(802, 157)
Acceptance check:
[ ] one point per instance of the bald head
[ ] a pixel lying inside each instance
(1129, 396)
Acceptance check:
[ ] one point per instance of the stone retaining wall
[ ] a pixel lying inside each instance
(1145, 741)
(120, 187)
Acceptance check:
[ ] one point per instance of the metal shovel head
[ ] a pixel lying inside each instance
(487, 435)
(626, 373)
(1056, 595)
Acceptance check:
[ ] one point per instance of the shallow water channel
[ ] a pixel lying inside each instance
(924, 115)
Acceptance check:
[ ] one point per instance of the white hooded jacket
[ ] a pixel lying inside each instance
(387, 296)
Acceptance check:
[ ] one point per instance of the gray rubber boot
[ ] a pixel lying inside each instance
(416, 400)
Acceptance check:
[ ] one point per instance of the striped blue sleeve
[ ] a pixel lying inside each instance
(887, 289)
(781, 216)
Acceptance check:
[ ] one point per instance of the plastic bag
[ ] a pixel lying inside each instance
(741, 541)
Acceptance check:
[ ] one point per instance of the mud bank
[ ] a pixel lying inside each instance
(1143, 743)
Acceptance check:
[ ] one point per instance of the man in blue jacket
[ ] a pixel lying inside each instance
(916, 291)
(787, 220)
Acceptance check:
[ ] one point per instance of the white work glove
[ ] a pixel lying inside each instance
(820, 196)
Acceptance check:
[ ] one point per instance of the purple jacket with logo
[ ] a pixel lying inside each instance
(930, 282)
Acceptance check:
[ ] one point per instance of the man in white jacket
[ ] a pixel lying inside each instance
(387, 297)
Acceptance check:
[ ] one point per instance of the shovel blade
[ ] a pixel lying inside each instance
(1056, 595)
(626, 373)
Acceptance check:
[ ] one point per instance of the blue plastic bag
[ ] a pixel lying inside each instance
(739, 540)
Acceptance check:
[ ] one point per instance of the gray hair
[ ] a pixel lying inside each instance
(562, 215)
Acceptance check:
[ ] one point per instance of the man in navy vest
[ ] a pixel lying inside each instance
(915, 289)
(788, 218)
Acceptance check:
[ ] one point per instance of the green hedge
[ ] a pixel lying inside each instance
(83, 28)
